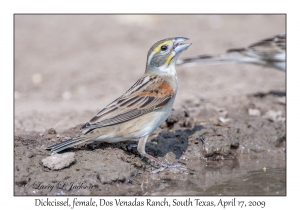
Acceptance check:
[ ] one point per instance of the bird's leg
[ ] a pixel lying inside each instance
(141, 150)
(130, 146)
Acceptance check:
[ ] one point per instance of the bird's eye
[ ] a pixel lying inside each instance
(164, 48)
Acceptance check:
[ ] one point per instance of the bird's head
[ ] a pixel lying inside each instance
(164, 54)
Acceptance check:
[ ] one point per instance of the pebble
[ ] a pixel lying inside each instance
(170, 158)
(223, 120)
(253, 112)
(52, 131)
(104, 179)
(274, 116)
(59, 161)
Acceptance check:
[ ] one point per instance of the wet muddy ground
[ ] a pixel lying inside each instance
(226, 151)
(227, 127)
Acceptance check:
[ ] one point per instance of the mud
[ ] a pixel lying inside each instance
(219, 156)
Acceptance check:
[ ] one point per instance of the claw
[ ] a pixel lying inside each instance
(130, 146)
(167, 165)
(202, 139)
(184, 169)
(158, 170)
(163, 164)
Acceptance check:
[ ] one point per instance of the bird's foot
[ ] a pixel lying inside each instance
(130, 146)
(164, 165)
(167, 165)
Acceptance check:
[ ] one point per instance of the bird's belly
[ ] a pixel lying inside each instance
(136, 128)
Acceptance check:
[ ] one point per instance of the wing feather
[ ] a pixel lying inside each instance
(149, 93)
(271, 49)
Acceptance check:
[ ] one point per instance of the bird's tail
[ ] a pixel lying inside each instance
(232, 56)
(203, 59)
(55, 148)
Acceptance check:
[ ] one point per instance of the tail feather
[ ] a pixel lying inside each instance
(60, 143)
(55, 148)
(232, 56)
(205, 59)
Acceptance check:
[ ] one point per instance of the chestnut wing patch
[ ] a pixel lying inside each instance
(136, 102)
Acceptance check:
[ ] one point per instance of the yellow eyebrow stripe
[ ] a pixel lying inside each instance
(159, 46)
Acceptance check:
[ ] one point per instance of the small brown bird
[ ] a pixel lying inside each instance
(269, 52)
(142, 108)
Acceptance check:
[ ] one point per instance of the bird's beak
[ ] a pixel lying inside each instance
(179, 47)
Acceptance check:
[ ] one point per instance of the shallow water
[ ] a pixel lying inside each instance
(257, 182)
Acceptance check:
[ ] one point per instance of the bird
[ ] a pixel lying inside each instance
(270, 52)
(142, 108)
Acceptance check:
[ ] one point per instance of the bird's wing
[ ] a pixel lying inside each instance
(271, 49)
(149, 93)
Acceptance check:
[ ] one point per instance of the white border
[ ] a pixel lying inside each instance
(8, 8)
